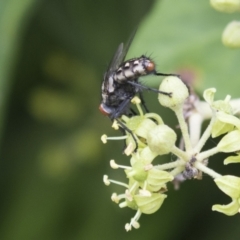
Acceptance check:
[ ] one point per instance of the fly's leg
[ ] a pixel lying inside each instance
(166, 74)
(124, 127)
(143, 102)
(141, 87)
(121, 109)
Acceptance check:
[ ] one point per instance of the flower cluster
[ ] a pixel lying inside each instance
(149, 137)
(231, 34)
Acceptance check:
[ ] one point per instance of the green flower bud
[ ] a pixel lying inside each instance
(227, 6)
(230, 142)
(178, 89)
(144, 127)
(230, 185)
(161, 139)
(149, 204)
(231, 35)
(230, 209)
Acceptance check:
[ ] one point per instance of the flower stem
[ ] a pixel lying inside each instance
(170, 165)
(206, 170)
(195, 124)
(205, 136)
(183, 126)
(207, 154)
(177, 170)
(179, 153)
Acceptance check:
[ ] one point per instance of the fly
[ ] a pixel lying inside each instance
(120, 83)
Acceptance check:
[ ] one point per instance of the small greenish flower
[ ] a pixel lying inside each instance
(230, 142)
(144, 189)
(230, 185)
(228, 6)
(231, 35)
(220, 127)
(221, 106)
(149, 204)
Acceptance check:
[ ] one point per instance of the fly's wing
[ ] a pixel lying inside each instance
(118, 57)
(127, 46)
(114, 62)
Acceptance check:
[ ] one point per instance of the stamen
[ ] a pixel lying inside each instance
(136, 225)
(137, 102)
(227, 98)
(105, 138)
(128, 195)
(134, 186)
(145, 193)
(148, 167)
(105, 180)
(134, 222)
(123, 204)
(114, 165)
(129, 149)
(108, 181)
(115, 125)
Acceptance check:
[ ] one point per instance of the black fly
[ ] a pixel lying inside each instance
(120, 83)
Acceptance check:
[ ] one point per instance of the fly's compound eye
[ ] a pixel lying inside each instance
(105, 111)
(150, 66)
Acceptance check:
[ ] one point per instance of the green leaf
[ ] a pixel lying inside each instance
(185, 36)
(13, 18)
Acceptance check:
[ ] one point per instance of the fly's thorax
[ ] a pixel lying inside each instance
(133, 69)
(108, 85)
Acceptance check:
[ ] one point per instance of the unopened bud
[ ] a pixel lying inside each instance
(231, 35)
(161, 139)
(227, 6)
(177, 88)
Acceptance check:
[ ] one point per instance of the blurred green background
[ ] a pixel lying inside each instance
(53, 55)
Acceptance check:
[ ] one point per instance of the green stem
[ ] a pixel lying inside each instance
(205, 136)
(170, 165)
(180, 153)
(207, 170)
(177, 170)
(184, 128)
(207, 154)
